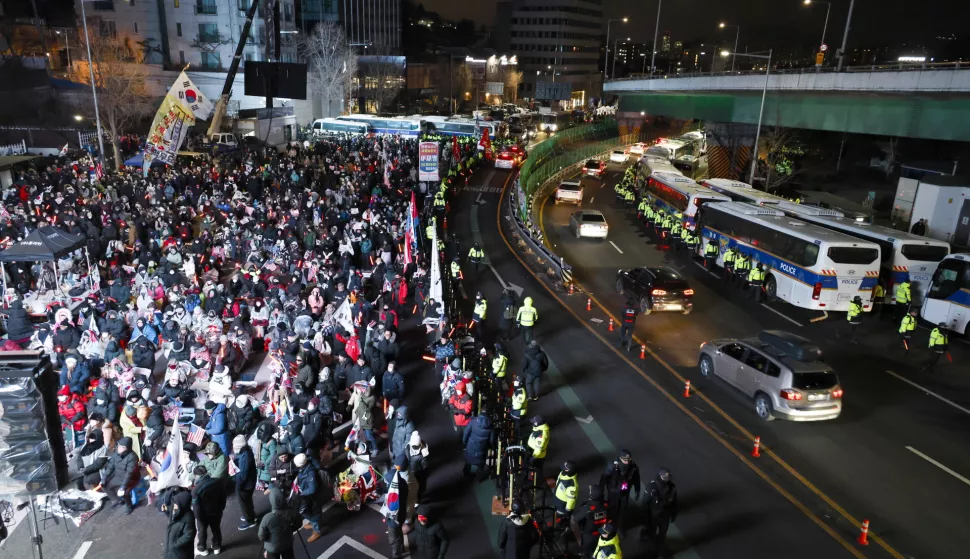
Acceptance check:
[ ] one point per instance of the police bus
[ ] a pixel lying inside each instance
(328, 126)
(806, 265)
(742, 192)
(947, 298)
(674, 193)
(452, 126)
(387, 125)
(904, 255)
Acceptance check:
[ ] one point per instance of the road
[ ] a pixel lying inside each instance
(897, 456)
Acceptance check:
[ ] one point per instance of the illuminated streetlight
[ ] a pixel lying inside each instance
(78, 118)
(737, 35)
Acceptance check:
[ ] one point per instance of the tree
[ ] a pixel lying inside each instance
(331, 66)
(119, 77)
(461, 83)
(383, 76)
(209, 44)
(781, 151)
(512, 79)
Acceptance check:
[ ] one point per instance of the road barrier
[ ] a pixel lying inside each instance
(756, 451)
(864, 533)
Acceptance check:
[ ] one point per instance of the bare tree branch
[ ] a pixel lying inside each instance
(512, 79)
(331, 66)
(383, 76)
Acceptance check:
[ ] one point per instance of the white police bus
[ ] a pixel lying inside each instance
(674, 193)
(947, 298)
(806, 265)
(742, 192)
(904, 255)
(451, 126)
(387, 125)
(328, 126)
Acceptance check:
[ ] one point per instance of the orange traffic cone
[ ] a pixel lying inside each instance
(611, 325)
(589, 303)
(756, 452)
(864, 533)
(643, 354)
(687, 389)
(570, 289)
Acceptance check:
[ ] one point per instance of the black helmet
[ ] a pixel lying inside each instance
(569, 467)
(537, 420)
(608, 531)
(942, 325)
(517, 507)
(663, 475)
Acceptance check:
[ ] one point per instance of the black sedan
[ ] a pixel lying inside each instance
(656, 289)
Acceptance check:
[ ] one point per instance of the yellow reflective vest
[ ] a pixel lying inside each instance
(539, 441)
(608, 549)
(566, 487)
(480, 306)
(499, 364)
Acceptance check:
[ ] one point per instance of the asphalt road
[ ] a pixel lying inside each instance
(897, 456)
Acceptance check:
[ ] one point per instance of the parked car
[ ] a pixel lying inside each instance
(589, 223)
(656, 289)
(570, 192)
(506, 160)
(620, 156)
(638, 148)
(781, 372)
(594, 168)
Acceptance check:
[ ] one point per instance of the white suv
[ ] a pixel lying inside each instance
(570, 192)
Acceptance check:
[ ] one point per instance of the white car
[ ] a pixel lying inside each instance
(570, 192)
(505, 160)
(620, 156)
(638, 148)
(589, 223)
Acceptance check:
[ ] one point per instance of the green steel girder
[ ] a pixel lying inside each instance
(933, 116)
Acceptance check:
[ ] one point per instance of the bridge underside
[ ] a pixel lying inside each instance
(926, 116)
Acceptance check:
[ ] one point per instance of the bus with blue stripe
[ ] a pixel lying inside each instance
(904, 255)
(395, 126)
(806, 265)
(675, 194)
(948, 295)
(742, 192)
(455, 126)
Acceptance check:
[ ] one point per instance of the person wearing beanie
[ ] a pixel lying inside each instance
(428, 540)
(417, 452)
(93, 456)
(208, 504)
(245, 478)
(397, 519)
(122, 468)
(132, 426)
(242, 417)
(277, 526)
(267, 451)
(316, 425)
(293, 440)
(75, 373)
(311, 493)
(181, 532)
(215, 462)
(218, 425)
(72, 412)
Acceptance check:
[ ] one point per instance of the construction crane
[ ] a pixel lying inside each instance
(220, 110)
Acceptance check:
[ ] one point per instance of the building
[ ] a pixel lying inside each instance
(375, 24)
(554, 41)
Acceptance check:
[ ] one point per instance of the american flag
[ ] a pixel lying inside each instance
(195, 435)
(98, 170)
(411, 228)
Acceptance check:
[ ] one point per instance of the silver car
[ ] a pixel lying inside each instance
(590, 224)
(781, 372)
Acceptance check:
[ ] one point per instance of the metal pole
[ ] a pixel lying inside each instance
(451, 85)
(656, 28)
(35, 536)
(606, 58)
(735, 51)
(94, 90)
(825, 26)
(613, 69)
(761, 113)
(845, 35)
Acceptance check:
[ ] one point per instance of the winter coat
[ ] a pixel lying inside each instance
(363, 411)
(245, 478)
(461, 408)
(516, 537)
(358, 374)
(67, 338)
(267, 451)
(282, 473)
(180, 534)
(217, 466)
(428, 541)
(106, 408)
(536, 362)
(306, 377)
(307, 482)
(18, 324)
(444, 353)
(403, 427)
(113, 351)
(392, 385)
(277, 526)
(478, 438)
(208, 498)
(72, 413)
(314, 422)
(242, 420)
(114, 327)
(130, 429)
(123, 469)
(78, 379)
(218, 428)
(143, 355)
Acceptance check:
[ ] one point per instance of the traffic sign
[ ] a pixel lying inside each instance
(819, 58)
(823, 48)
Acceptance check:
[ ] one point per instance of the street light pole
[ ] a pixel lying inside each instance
(656, 28)
(737, 36)
(761, 114)
(606, 58)
(845, 35)
(94, 90)
(613, 70)
(825, 26)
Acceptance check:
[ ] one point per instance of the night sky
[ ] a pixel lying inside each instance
(764, 22)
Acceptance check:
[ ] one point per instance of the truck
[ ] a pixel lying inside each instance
(944, 202)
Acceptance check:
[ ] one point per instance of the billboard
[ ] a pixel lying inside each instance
(553, 91)
(428, 161)
(494, 88)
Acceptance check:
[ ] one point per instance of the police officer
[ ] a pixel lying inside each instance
(692, 241)
(481, 305)
(878, 301)
(675, 228)
(455, 274)
(853, 318)
(642, 207)
(591, 520)
(620, 478)
(516, 535)
(756, 279)
(906, 328)
(476, 256)
(711, 252)
(526, 317)
(608, 546)
(730, 258)
(628, 323)
(566, 488)
(661, 508)
(904, 297)
(538, 443)
(938, 344)
(742, 266)
(519, 406)
(500, 364)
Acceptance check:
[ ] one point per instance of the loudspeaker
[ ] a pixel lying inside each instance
(33, 460)
(275, 79)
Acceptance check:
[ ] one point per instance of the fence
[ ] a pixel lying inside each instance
(14, 149)
(544, 151)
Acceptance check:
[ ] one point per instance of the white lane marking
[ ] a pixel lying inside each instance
(591, 199)
(616, 247)
(788, 318)
(930, 392)
(938, 465)
(83, 550)
(596, 320)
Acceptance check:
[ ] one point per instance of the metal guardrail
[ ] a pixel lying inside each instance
(895, 67)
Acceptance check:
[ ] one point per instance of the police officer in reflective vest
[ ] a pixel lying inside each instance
(566, 489)
(853, 318)
(903, 297)
(608, 546)
(906, 328)
(476, 256)
(730, 259)
(455, 269)
(481, 305)
(429, 231)
(526, 317)
(692, 241)
(538, 443)
(628, 323)
(520, 407)
(756, 280)
(591, 520)
(742, 266)
(642, 209)
(711, 252)
(939, 342)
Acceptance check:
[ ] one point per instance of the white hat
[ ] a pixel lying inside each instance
(415, 438)
(299, 460)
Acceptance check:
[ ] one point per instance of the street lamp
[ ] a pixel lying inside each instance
(613, 69)
(825, 26)
(656, 27)
(78, 118)
(761, 111)
(94, 90)
(845, 36)
(736, 36)
(607, 57)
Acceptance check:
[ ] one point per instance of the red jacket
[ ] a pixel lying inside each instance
(462, 408)
(402, 292)
(72, 412)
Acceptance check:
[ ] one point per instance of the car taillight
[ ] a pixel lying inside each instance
(658, 292)
(688, 292)
(837, 393)
(817, 291)
(790, 394)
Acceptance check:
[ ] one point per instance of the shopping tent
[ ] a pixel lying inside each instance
(43, 245)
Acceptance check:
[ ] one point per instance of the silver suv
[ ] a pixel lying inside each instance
(781, 372)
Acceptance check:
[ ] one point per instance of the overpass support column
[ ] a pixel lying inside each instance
(729, 147)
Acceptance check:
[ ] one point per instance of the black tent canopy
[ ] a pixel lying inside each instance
(45, 244)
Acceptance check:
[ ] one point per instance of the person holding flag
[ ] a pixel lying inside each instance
(394, 513)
